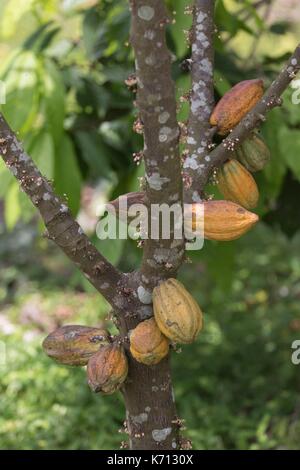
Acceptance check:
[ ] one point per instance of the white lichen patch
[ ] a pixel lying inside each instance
(156, 181)
(47, 197)
(63, 208)
(146, 13)
(104, 286)
(166, 134)
(206, 66)
(23, 157)
(163, 117)
(149, 34)
(144, 295)
(150, 60)
(196, 197)
(139, 419)
(191, 162)
(160, 435)
(191, 140)
(201, 17)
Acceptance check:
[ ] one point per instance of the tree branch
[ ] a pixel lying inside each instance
(61, 226)
(202, 96)
(253, 119)
(157, 106)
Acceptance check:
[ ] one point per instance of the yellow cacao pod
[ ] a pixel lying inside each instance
(226, 220)
(235, 104)
(253, 153)
(147, 343)
(177, 314)
(107, 369)
(237, 184)
(74, 344)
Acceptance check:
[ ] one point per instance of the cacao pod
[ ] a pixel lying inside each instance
(147, 343)
(74, 344)
(226, 220)
(237, 184)
(235, 104)
(177, 314)
(253, 153)
(107, 369)
(124, 202)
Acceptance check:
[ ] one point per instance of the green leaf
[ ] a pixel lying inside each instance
(182, 23)
(41, 150)
(67, 173)
(22, 95)
(276, 169)
(12, 14)
(96, 154)
(53, 100)
(290, 147)
(12, 209)
(6, 179)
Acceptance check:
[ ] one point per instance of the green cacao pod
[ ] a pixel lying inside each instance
(237, 184)
(107, 369)
(253, 153)
(177, 314)
(74, 344)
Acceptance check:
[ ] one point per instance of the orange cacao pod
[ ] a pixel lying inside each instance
(177, 314)
(235, 104)
(147, 343)
(237, 184)
(107, 369)
(74, 344)
(226, 220)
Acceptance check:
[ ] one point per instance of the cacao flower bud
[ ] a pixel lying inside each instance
(74, 344)
(177, 314)
(235, 104)
(237, 184)
(107, 369)
(147, 343)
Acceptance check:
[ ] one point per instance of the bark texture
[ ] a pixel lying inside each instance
(151, 413)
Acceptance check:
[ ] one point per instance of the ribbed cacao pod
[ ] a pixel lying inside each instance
(177, 314)
(226, 220)
(237, 184)
(107, 369)
(235, 104)
(253, 153)
(147, 343)
(74, 344)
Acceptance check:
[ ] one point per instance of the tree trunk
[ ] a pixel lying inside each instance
(150, 407)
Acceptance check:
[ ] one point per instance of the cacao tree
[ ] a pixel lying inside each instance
(180, 159)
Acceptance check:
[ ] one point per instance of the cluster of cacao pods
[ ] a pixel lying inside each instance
(235, 181)
(77, 345)
(177, 318)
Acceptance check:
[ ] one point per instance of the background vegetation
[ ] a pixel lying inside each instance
(64, 65)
